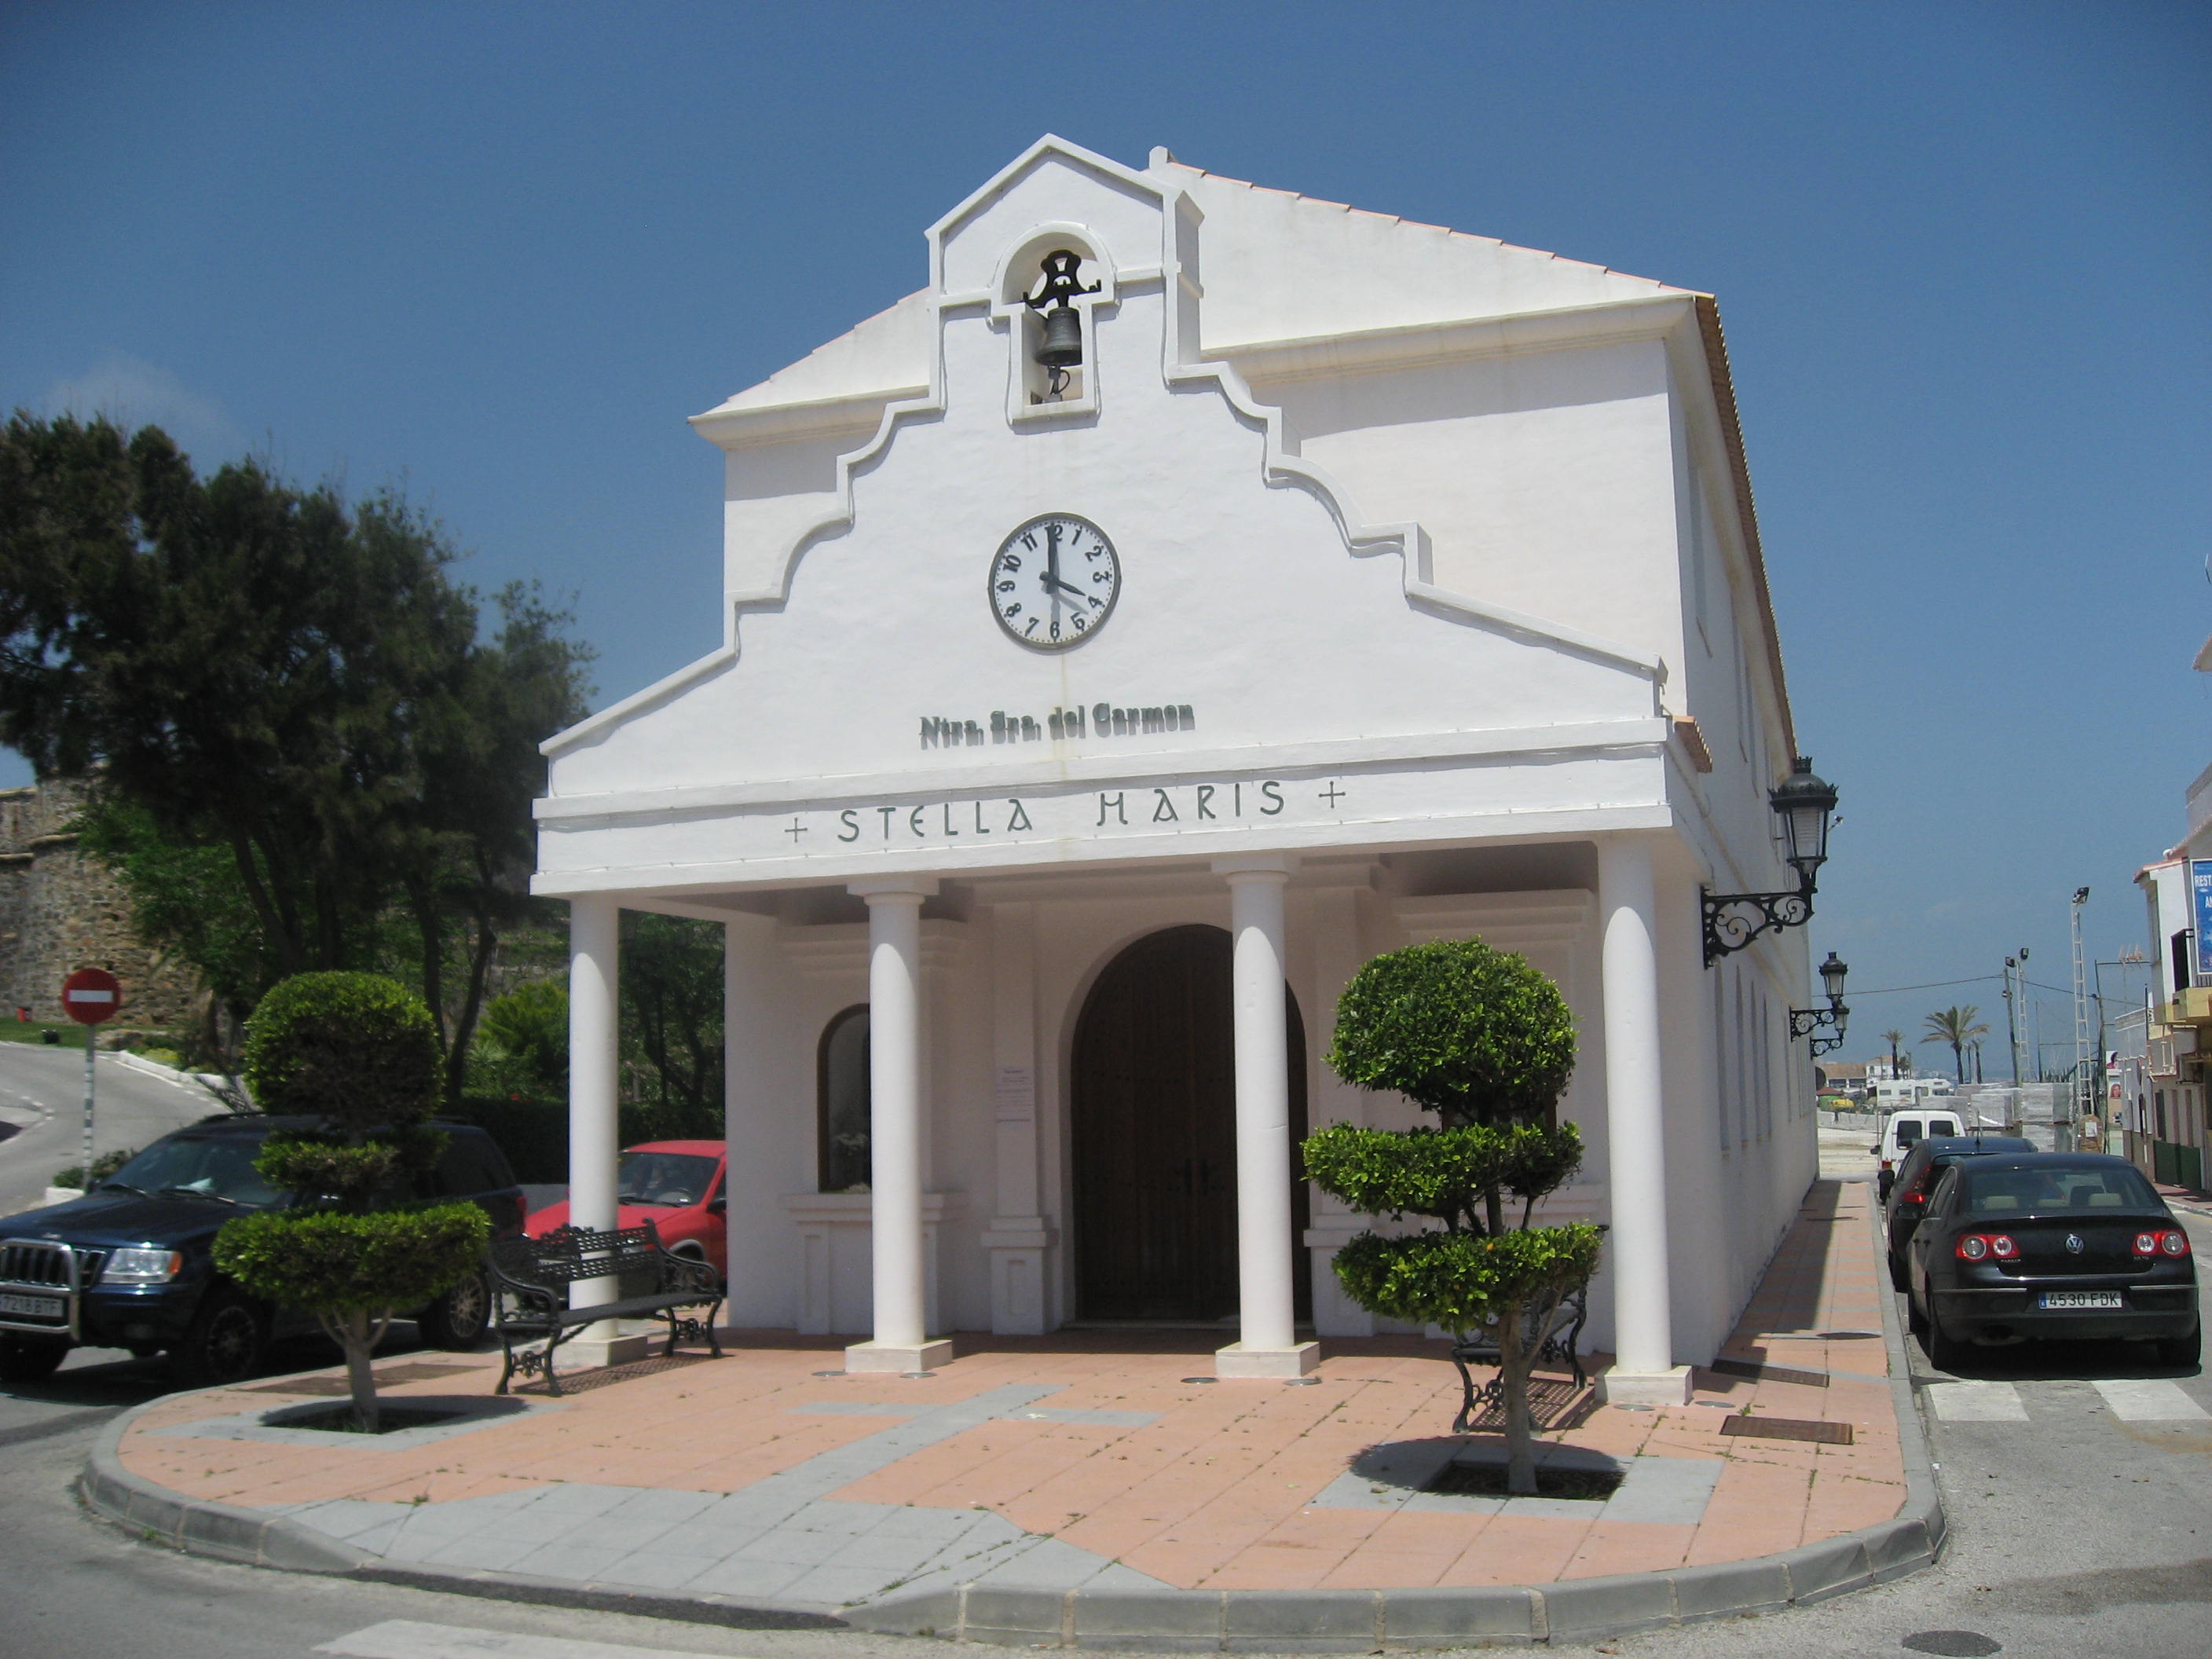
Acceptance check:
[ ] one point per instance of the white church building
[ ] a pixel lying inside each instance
(1191, 592)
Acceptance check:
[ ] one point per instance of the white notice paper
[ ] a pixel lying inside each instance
(1017, 1094)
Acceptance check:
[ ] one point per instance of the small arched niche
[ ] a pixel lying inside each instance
(1034, 391)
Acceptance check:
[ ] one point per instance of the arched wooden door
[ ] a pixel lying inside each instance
(1154, 1142)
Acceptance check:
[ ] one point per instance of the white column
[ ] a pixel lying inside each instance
(1643, 1371)
(594, 1134)
(899, 1317)
(1018, 1236)
(1267, 1344)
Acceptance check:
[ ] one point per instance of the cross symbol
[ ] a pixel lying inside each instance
(1332, 794)
(796, 830)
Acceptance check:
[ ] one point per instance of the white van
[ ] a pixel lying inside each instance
(1900, 1131)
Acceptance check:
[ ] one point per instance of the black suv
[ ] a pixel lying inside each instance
(129, 1264)
(1917, 1176)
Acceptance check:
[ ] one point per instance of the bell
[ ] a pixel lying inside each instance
(1062, 348)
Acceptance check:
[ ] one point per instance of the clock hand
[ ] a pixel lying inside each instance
(1065, 587)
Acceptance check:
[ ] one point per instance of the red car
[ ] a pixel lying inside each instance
(675, 1184)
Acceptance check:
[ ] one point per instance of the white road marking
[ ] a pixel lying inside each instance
(2140, 1399)
(405, 1639)
(1976, 1402)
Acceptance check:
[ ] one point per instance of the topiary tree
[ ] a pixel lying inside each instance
(359, 1053)
(1487, 1043)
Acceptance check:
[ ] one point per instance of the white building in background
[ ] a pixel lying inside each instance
(1406, 587)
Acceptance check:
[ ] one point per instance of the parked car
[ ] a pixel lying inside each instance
(1917, 1176)
(675, 1184)
(1899, 1132)
(129, 1265)
(2051, 1245)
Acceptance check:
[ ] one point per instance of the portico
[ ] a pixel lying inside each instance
(1034, 943)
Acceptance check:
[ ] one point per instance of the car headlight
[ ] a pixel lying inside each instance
(138, 1265)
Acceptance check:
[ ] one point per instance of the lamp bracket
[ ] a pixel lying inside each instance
(1732, 921)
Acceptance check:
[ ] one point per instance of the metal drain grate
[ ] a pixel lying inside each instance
(1764, 1373)
(1787, 1428)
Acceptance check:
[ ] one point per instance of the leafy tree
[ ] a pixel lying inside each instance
(261, 671)
(1894, 1038)
(1486, 1042)
(1959, 1028)
(672, 1037)
(360, 1053)
(525, 1042)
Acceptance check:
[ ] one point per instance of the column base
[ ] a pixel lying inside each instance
(600, 1345)
(1239, 1361)
(1616, 1387)
(898, 1358)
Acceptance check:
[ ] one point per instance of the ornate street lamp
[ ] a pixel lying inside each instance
(1805, 1022)
(1805, 805)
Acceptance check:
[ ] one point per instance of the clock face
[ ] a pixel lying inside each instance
(1054, 581)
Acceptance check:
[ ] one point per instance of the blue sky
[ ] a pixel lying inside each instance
(497, 253)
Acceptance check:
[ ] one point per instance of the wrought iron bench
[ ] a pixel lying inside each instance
(530, 1279)
(1562, 1346)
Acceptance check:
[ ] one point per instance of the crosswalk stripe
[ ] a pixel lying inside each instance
(1976, 1402)
(2144, 1399)
(406, 1639)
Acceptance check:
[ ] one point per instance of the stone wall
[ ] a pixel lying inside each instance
(60, 911)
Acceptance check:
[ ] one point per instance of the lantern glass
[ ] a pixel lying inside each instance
(1831, 977)
(1804, 803)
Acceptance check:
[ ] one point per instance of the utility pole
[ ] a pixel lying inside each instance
(2084, 1083)
(2012, 1016)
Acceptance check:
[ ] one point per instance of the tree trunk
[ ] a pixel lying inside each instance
(355, 1337)
(465, 1027)
(1513, 1368)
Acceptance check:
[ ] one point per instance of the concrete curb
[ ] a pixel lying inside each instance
(1152, 1621)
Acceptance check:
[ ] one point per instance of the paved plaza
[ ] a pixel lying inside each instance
(1092, 1462)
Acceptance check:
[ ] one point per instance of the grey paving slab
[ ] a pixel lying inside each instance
(742, 1576)
(915, 1521)
(478, 1550)
(896, 1556)
(611, 1532)
(662, 1504)
(836, 1586)
(581, 1497)
(655, 1570)
(1672, 1490)
(350, 1517)
(798, 1549)
(583, 1561)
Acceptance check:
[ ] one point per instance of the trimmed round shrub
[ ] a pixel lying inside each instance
(359, 1049)
(1472, 1034)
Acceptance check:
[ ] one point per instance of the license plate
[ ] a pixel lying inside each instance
(38, 1307)
(2082, 1299)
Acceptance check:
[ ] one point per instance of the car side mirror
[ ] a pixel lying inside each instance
(1875, 1150)
(719, 1204)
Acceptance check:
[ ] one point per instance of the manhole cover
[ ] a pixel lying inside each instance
(1953, 1643)
(1787, 1428)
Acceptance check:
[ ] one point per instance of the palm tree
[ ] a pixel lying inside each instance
(1893, 1038)
(1956, 1027)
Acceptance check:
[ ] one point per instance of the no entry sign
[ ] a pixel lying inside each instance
(91, 995)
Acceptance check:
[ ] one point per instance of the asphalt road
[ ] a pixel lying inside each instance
(2081, 1529)
(42, 1098)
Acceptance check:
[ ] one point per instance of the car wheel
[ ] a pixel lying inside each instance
(458, 1318)
(1945, 1352)
(1915, 1321)
(225, 1343)
(2183, 1350)
(27, 1359)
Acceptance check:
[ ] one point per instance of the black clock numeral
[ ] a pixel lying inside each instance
(1032, 628)
(1008, 561)
(1096, 553)
(1102, 576)
(1015, 610)
(1082, 622)
(1029, 541)
(1006, 587)
(1055, 630)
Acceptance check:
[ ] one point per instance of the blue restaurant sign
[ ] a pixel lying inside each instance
(2200, 910)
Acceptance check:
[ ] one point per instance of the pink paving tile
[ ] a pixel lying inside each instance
(1518, 1550)
(1612, 1546)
